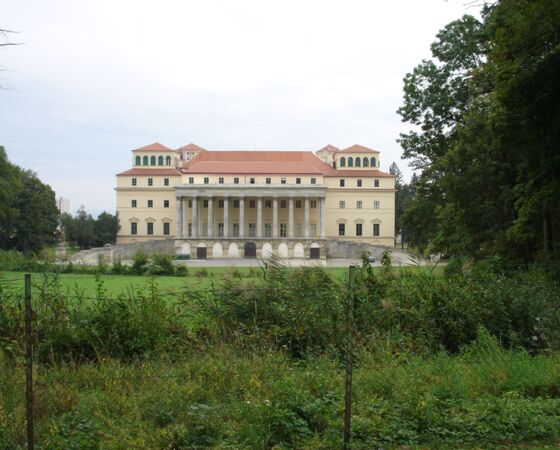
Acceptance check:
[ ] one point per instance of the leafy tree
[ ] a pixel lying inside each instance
(106, 228)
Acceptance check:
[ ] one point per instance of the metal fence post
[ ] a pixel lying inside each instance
(349, 350)
(29, 363)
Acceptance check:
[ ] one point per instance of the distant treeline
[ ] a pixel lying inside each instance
(83, 231)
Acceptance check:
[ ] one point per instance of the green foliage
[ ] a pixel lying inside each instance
(84, 231)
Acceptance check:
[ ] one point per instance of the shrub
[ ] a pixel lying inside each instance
(140, 262)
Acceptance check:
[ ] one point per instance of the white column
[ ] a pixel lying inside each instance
(306, 218)
(179, 224)
(322, 219)
(291, 218)
(194, 220)
(275, 218)
(259, 217)
(226, 217)
(210, 217)
(241, 217)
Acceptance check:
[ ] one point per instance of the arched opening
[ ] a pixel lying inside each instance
(145, 161)
(298, 250)
(201, 251)
(358, 162)
(217, 250)
(185, 248)
(283, 250)
(250, 250)
(373, 162)
(233, 250)
(343, 162)
(315, 251)
(266, 251)
(168, 160)
(350, 161)
(138, 160)
(152, 161)
(366, 162)
(160, 161)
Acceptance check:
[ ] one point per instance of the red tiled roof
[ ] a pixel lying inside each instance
(358, 149)
(155, 147)
(191, 148)
(150, 171)
(329, 148)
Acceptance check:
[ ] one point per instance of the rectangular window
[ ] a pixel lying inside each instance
(341, 183)
(283, 228)
(298, 203)
(268, 204)
(166, 228)
(341, 229)
(375, 183)
(190, 203)
(133, 182)
(150, 203)
(191, 180)
(134, 228)
(206, 180)
(133, 204)
(221, 180)
(150, 181)
(235, 230)
(282, 181)
(313, 229)
(150, 229)
(252, 181)
(313, 204)
(205, 203)
(298, 180)
(236, 203)
(268, 180)
(359, 183)
(166, 181)
(220, 230)
(252, 230)
(313, 180)
(166, 203)
(342, 204)
(283, 203)
(297, 230)
(376, 229)
(267, 230)
(358, 229)
(376, 204)
(236, 180)
(359, 204)
(220, 203)
(252, 203)
(190, 229)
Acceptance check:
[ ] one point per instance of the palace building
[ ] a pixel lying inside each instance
(236, 204)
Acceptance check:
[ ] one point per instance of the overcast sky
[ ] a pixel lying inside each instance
(96, 79)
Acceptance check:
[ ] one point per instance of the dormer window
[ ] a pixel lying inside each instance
(343, 162)
(373, 162)
(358, 162)
(350, 161)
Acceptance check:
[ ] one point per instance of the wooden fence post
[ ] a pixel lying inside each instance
(349, 353)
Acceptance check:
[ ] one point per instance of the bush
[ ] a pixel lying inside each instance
(140, 262)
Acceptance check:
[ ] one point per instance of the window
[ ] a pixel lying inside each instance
(205, 203)
(313, 204)
(268, 180)
(166, 181)
(376, 204)
(168, 160)
(252, 203)
(358, 162)
(235, 230)
(350, 162)
(252, 181)
(153, 161)
(221, 180)
(252, 230)
(206, 180)
(341, 183)
(190, 203)
(376, 229)
(298, 180)
(282, 181)
(268, 204)
(267, 230)
(373, 162)
(298, 203)
(150, 228)
(160, 161)
(283, 229)
(189, 229)
(366, 162)
(166, 203)
(166, 228)
(341, 229)
(236, 203)
(313, 180)
(343, 162)
(138, 161)
(342, 204)
(359, 204)
(375, 183)
(358, 229)
(236, 180)
(150, 203)
(297, 230)
(150, 181)
(134, 228)
(220, 203)
(283, 203)
(359, 183)
(313, 230)
(133, 181)
(133, 204)
(220, 230)
(145, 161)
(191, 180)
